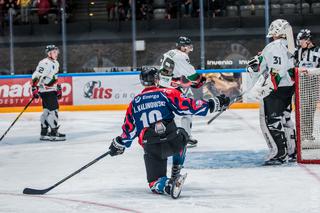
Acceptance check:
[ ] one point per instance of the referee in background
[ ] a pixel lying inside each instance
(308, 55)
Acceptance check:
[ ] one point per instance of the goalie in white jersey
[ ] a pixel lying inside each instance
(274, 68)
(45, 85)
(177, 72)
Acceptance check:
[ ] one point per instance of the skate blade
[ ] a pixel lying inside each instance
(45, 138)
(177, 186)
(57, 139)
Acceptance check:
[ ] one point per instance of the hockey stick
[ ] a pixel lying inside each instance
(236, 99)
(31, 191)
(24, 109)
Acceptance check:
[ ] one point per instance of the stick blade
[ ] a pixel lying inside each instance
(30, 191)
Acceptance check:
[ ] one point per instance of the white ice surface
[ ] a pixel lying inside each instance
(224, 171)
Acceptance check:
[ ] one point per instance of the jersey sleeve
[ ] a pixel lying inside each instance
(185, 106)
(128, 128)
(37, 74)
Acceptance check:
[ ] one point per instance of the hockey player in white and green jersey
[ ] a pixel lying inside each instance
(274, 68)
(176, 71)
(45, 85)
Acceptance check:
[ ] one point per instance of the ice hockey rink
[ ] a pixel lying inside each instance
(225, 172)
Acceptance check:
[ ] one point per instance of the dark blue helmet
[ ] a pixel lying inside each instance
(183, 41)
(50, 48)
(148, 76)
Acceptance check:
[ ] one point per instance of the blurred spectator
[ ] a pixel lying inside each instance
(217, 7)
(43, 11)
(111, 10)
(143, 9)
(11, 5)
(24, 10)
(118, 9)
(172, 8)
(186, 7)
(195, 8)
(124, 10)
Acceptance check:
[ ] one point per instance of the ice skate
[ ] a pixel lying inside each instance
(177, 185)
(56, 136)
(192, 142)
(44, 135)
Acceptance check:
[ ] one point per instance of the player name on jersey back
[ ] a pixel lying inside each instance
(149, 105)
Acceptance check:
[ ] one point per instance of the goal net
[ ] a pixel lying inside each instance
(307, 104)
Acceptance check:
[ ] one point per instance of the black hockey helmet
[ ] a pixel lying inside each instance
(148, 76)
(304, 34)
(50, 48)
(183, 41)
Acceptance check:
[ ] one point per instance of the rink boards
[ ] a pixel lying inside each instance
(106, 91)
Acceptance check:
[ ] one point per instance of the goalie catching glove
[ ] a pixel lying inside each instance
(254, 64)
(116, 147)
(218, 103)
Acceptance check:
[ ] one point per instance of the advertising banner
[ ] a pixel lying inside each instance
(105, 90)
(15, 92)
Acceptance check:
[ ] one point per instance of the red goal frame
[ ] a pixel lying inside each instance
(298, 128)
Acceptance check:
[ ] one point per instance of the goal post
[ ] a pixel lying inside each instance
(307, 111)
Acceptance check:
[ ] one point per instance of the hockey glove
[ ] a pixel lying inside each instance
(254, 64)
(262, 88)
(199, 82)
(116, 148)
(35, 92)
(218, 103)
(59, 91)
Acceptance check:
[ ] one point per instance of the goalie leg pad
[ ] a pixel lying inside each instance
(274, 134)
(290, 132)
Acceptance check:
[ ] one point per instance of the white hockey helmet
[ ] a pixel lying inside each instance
(277, 28)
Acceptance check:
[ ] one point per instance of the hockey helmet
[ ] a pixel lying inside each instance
(148, 76)
(304, 34)
(184, 42)
(277, 28)
(51, 47)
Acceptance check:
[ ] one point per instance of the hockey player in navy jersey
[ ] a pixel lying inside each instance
(150, 117)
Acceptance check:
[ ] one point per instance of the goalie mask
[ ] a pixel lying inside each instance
(165, 77)
(277, 28)
(282, 29)
(149, 76)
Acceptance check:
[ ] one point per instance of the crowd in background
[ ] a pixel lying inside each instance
(22, 9)
(48, 10)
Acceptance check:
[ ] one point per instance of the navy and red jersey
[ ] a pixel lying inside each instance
(155, 104)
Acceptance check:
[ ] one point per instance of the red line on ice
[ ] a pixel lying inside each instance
(310, 172)
(72, 200)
